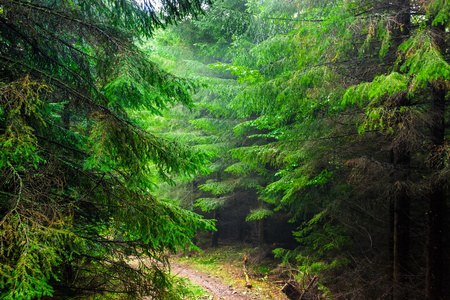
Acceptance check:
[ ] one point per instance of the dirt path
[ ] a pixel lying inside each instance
(215, 287)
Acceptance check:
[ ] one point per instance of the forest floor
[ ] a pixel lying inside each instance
(215, 287)
(220, 271)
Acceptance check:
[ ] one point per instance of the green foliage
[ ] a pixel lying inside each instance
(239, 168)
(20, 99)
(210, 204)
(259, 214)
(189, 290)
(244, 74)
(137, 84)
(36, 252)
(76, 166)
(372, 95)
(217, 188)
(328, 238)
(321, 247)
(212, 125)
(423, 60)
(254, 155)
(315, 105)
(439, 9)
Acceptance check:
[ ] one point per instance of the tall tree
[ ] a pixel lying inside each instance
(402, 100)
(437, 201)
(342, 108)
(77, 169)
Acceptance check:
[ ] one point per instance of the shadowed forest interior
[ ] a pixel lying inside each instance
(316, 132)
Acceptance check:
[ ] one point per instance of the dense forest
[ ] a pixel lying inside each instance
(316, 131)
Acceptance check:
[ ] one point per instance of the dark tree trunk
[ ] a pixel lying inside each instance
(65, 118)
(240, 230)
(401, 159)
(401, 226)
(434, 270)
(437, 202)
(215, 234)
(261, 234)
(436, 199)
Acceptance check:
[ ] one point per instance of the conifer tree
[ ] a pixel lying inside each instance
(210, 127)
(77, 168)
(396, 102)
(376, 48)
(342, 108)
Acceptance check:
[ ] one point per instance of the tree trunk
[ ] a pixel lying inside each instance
(401, 243)
(437, 204)
(261, 234)
(215, 234)
(436, 199)
(65, 118)
(401, 159)
(401, 226)
(434, 261)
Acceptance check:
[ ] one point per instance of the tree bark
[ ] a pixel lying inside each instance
(401, 159)
(215, 234)
(261, 234)
(401, 226)
(434, 261)
(436, 199)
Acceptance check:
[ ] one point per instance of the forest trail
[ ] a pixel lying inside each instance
(217, 288)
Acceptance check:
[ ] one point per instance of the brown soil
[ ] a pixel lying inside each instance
(215, 287)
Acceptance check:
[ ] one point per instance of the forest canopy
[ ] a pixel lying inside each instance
(327, 119)
(315, 130)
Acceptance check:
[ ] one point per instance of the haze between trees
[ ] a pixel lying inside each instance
(327, 118)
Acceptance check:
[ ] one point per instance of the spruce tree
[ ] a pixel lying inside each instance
(77, 167)
(341, 105)
(401, 102)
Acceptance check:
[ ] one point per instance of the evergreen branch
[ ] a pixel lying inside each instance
(274, 18)
(61, 145)
(87, 172)
(93, 188)
(50, 11)
(16, 204)
(74, 200)
(62, 41)
(52, 45)
(128, 242)
(86, 80)
(102, 108)
(80, 95)
(326, 138)
(334, 63)
(92, 175)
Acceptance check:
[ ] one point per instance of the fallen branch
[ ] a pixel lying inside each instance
(307, 288)
(247, 280)
(291, 289)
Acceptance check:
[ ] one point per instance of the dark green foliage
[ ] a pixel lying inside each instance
(333, 113)
(77, 168)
